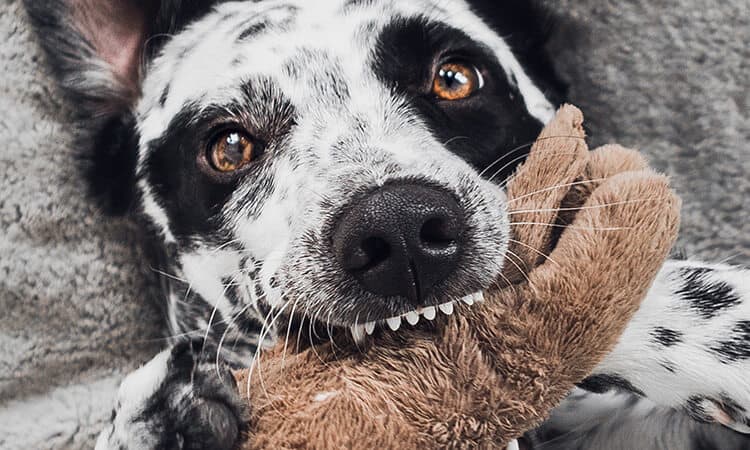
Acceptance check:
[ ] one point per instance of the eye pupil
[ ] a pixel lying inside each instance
(455, 81)
(231, 151)
(234, 151)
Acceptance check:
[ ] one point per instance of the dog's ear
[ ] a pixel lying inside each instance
(526, 26)
(97, 51)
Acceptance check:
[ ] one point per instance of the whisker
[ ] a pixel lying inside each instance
(521, 147)
(552, 188)
(507, 281)
(576, 227)
(505, 155)
(168, 275)
(258, 349)
(322, 197)
(225, 333)
(257, 358)
(506, 165)
(505, 183)
(288, 332)
(580, 208)
(455, 138)
(517, 266)
(330, 335)
(225, 245)
(312, 343)
(233, 277)
(534, 250)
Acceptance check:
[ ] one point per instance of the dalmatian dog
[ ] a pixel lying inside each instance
(341, 163)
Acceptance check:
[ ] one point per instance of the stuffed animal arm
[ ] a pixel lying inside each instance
(569, 309)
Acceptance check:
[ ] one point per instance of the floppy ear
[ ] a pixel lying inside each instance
(526, 26)
(97, 50)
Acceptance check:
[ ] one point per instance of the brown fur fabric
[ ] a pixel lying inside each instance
(493, 370)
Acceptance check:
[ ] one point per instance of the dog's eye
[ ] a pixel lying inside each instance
(231, 150)
(456, 81)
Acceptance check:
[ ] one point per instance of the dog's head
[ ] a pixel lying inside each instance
(339, 160)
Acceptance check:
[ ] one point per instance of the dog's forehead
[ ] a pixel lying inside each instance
(301, 46)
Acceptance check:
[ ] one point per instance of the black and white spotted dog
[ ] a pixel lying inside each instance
(342, 162)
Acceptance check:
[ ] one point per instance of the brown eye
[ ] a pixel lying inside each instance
(456, 81)
(230, 151)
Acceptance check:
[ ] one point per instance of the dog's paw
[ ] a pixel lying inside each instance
(178, 400)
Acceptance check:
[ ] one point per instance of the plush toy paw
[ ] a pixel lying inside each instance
(178, 400)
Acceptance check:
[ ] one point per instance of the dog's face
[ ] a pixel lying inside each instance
(333, 158)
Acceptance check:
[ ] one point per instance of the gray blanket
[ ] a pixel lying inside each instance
(669, 77)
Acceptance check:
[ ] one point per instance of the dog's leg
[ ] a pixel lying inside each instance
(178, 400)
(688, 346)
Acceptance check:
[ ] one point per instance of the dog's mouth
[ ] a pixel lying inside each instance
(411, 318)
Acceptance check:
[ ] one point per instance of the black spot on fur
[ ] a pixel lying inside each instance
(668, 366)
(737, 346)
(605, 382)
(263, 22)
(353, 4)
(707, 297)
(233, 290)
(252, 30)
(164, 95)
(665, 336)
(694, 406)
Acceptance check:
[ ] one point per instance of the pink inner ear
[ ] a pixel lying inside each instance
(117, 30)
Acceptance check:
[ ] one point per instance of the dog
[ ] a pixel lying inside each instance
(308, 167)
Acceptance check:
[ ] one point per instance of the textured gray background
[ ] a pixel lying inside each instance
(671, 77)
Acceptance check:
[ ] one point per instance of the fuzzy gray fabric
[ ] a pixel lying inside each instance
(670, 77)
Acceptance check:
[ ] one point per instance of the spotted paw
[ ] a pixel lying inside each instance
(178, 400)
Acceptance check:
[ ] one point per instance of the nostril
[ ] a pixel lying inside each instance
(375, 250)
(438, 232)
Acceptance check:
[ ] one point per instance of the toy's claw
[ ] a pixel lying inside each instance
(512, 445)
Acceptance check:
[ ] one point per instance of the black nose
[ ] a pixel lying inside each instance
(401, 240)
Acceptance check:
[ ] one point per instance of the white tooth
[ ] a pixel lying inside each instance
(358, 333)
(469, 300)
(446, 308)
(429, 312)
(512, 445)
(412, 317)
(394, 323)
(478, 297)
(369, 327)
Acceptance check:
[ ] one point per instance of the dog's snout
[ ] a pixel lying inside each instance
(401, 240)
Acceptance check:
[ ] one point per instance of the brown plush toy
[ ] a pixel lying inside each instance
(590, 231)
